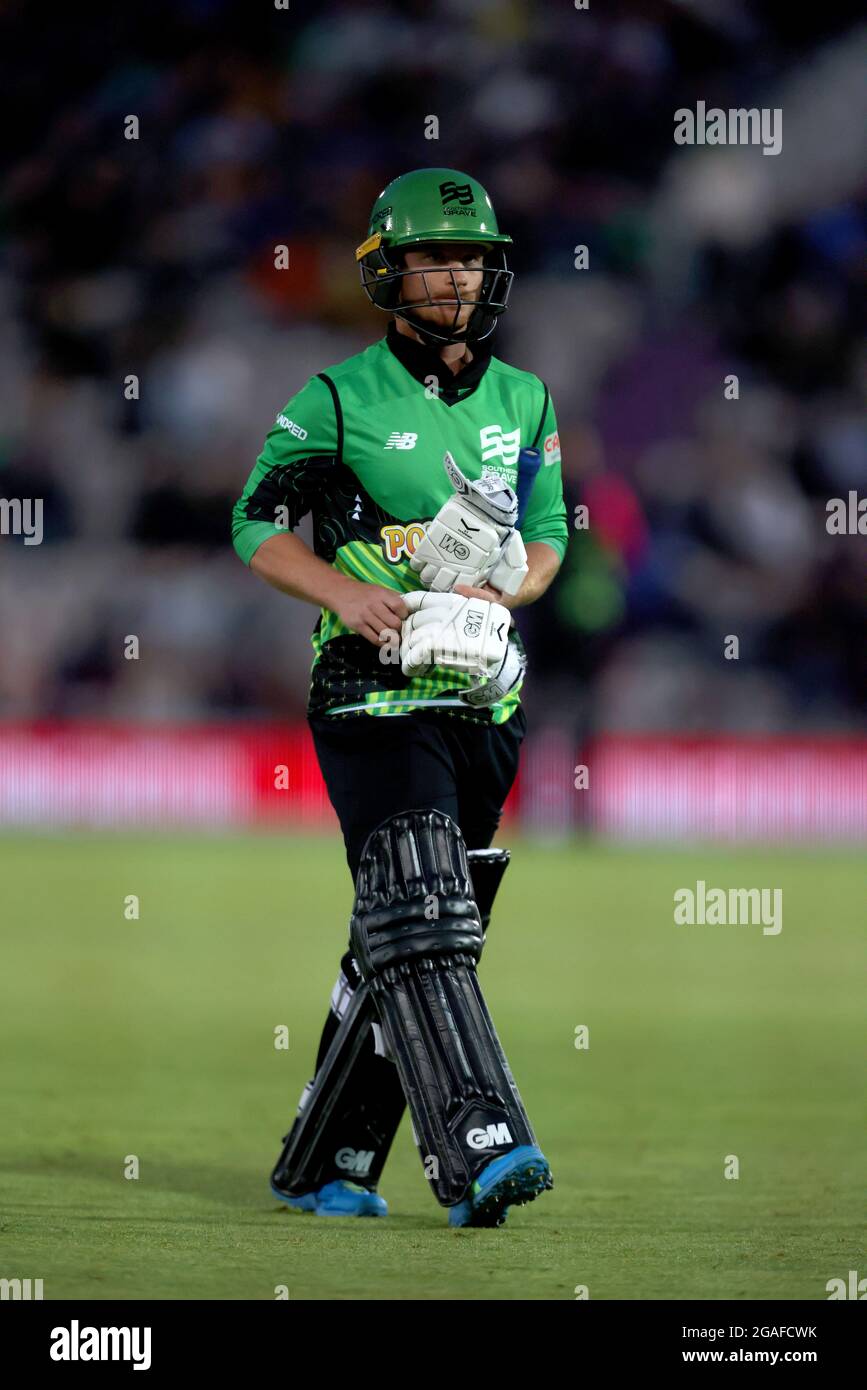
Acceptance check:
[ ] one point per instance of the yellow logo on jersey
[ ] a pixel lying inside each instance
(400, 541)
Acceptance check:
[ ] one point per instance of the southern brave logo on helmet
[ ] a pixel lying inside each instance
(428, 206)
(449, 191)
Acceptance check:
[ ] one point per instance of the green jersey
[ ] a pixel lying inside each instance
(361, 447)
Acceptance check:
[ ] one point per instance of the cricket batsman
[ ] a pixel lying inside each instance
(432, 472)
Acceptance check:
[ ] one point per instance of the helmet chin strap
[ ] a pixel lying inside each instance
(428, 336)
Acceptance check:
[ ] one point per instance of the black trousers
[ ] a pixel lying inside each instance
(376, 766)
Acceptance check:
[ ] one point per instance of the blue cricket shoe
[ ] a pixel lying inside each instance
(337, 1198)
(511, 1180)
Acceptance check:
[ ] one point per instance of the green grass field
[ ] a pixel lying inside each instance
(154, 1038)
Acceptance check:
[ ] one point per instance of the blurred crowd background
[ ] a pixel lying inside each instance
(262, 126)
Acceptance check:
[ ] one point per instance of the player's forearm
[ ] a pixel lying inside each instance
(543, 563)
(288, 564)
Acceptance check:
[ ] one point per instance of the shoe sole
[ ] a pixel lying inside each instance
(309, 1203)
(525, 1174)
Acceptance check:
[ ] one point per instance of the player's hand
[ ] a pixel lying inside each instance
(372, 611)
(485, 591)
(464, 634)
(468, 634)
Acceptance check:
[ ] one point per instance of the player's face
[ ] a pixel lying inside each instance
(441, 269)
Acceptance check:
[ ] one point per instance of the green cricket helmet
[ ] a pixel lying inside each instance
(428, 206)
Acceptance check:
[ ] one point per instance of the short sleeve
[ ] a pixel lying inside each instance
(545, 516)
(300, 449)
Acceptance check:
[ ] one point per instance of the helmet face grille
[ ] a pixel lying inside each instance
(382, 282)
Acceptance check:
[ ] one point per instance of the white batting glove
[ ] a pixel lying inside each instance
(465, 634)
(509, 570)
(472, 537)
(499, 680)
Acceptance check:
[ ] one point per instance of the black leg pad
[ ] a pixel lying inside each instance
(416, 933)
(354, 1103)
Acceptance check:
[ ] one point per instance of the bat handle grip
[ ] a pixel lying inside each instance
(529, 461)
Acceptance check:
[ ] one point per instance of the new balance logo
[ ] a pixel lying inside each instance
(490, 1137)
(496, 444)
(354, 1160)
(396, 440)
